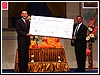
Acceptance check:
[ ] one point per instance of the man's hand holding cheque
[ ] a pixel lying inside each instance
(29, 34)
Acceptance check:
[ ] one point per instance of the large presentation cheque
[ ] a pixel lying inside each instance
(51, 26)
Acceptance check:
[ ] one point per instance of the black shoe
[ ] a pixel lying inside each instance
(76, 70)
(81, 71)
(23, 72)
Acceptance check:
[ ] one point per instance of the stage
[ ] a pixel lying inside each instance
(87, 71)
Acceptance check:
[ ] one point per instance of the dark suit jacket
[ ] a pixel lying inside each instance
(81, 36)
(22, 30)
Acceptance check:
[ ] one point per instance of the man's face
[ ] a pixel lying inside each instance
(78, 20)
(24, 14)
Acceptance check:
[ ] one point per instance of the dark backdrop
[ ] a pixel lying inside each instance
(53, 9)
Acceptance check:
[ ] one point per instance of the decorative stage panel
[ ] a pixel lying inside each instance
(45, 60)
(48, 67)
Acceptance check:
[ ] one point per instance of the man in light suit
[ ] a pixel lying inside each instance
(78, 41)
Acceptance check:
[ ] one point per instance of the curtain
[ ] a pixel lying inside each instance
(14, 11)
(57, 8)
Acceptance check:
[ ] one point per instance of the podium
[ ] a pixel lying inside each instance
(46, 60)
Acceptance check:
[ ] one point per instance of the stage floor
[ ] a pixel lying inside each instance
(88, 71)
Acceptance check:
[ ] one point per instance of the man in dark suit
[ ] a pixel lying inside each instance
(23, 39)
(79, 42)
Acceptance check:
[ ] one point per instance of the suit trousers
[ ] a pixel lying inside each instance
(80, 53)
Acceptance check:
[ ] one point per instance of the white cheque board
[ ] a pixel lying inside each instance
(51, 26)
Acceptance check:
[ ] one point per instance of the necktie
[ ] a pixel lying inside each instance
(76, 30)
(25, 22)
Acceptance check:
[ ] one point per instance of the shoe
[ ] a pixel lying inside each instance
(23, 72)
(76, 70)
(81, 71)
